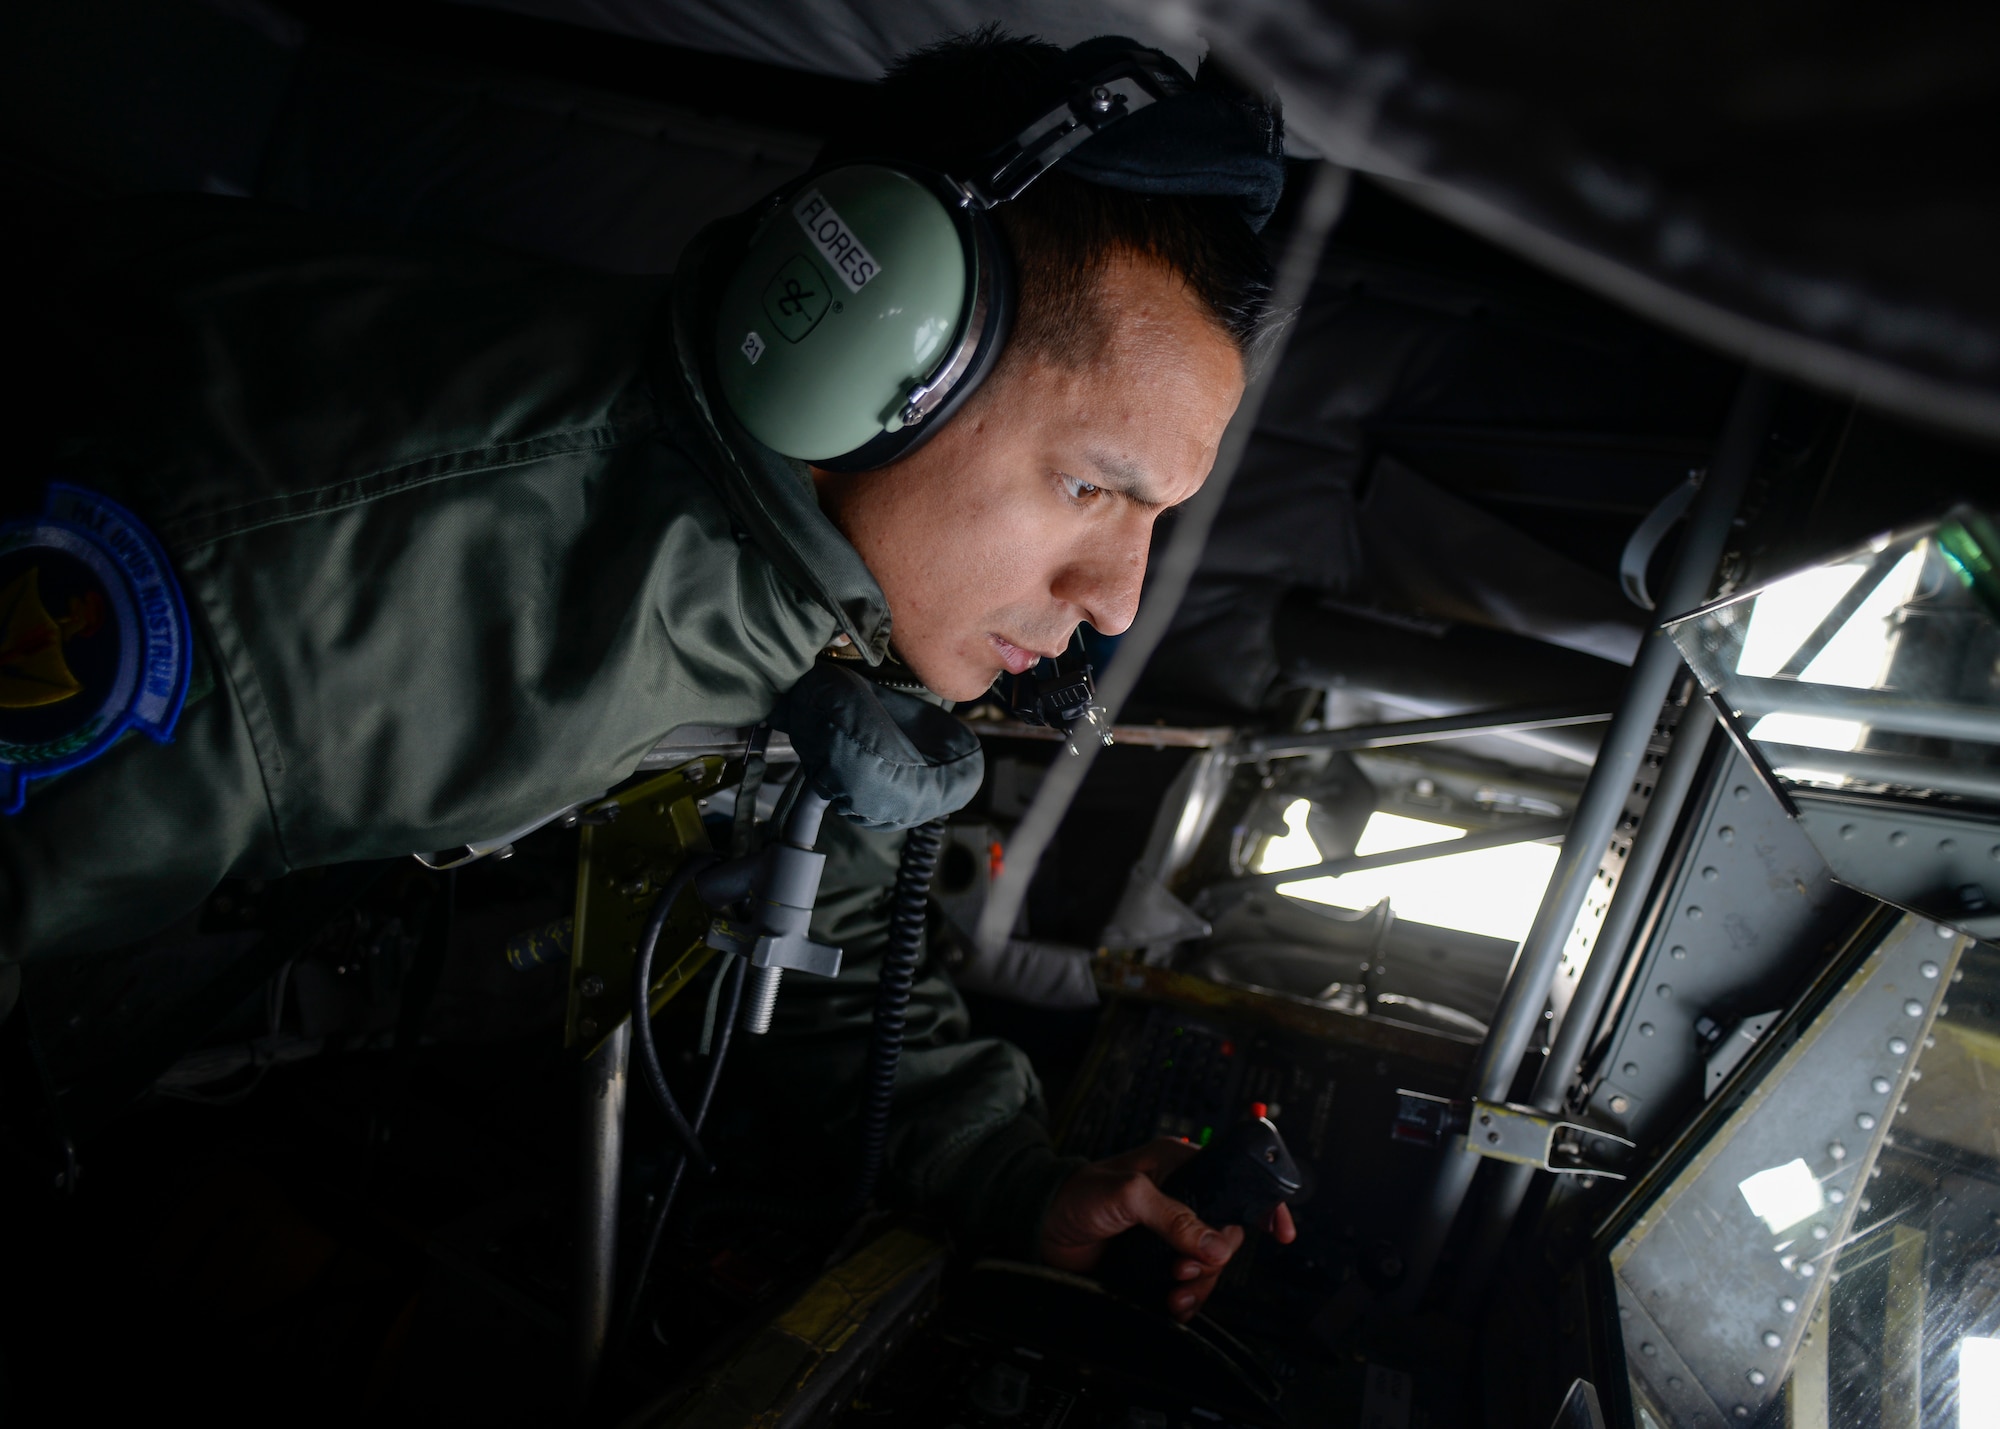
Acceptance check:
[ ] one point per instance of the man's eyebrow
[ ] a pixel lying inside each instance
(1127, 478)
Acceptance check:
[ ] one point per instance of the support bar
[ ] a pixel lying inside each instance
(1523, 831)
(1880, 709)
(1519, 1013)
(1422, 731)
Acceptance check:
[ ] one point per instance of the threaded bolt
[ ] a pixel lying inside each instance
(763, 999)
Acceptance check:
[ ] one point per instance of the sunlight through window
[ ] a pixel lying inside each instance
(1493, 891)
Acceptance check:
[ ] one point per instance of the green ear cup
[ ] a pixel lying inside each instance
(849, 295)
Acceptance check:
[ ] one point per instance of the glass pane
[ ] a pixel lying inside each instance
(1828, 1257)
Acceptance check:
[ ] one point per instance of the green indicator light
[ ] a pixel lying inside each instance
(1206, 1133)
(1170, 1064)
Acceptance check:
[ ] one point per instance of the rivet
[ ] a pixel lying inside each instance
(1819, 1232)
(1929, 970)
(1881, 1086)
(1913, 1008)
(1898, 1046)
(1847, 831)
(1994, 853)
(1673, 1381)
(1647, 1348)
(1899, 838)
(1677, 951)
(1741, 1411)
(1726, 834)
(1788, 1305)
(1865, 1122)
(1835, 1151)
(1664, 992)
(591, 985)
(1742, 792)
(1944, 932)
(1755, 1376)
(586, 1028)
(1619, 1104)
(1711, 873)
(1835, 1195)
(1694, 914)
(1808, 1269)
(1630, 1069)
(1645, 1029)
(1772, 1339)
(1947, 845)
(1865, 1204)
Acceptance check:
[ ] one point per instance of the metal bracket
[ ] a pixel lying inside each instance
(1499, 1130)
(622, 866)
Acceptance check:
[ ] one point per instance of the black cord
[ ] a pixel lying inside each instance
(904, 954)
(642, 1010)
(731, 1004)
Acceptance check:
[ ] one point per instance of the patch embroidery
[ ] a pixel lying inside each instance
(94, 638)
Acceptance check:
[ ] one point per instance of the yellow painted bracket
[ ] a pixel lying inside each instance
(796, 1368)
(621, 867)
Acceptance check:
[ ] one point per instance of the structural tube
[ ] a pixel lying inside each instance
(1520, 1011)
(1607, 958)
(597, 1200)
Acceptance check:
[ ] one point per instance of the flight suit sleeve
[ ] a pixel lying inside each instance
(968, 1138)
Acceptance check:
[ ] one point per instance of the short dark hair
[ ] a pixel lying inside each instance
(950, 103)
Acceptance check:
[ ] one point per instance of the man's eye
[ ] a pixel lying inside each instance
(1078, 490)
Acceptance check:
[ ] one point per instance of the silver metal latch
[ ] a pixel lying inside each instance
(1500, 1130)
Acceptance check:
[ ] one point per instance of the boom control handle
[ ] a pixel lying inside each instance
(1239, 1179)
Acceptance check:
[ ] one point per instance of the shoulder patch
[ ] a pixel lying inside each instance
(94, 637)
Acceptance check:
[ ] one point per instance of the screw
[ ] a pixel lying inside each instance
(591, 985)
(763, 999)
(1619, 1104)
(586, 1029)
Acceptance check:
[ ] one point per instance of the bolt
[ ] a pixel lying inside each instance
(1881, 1086)
(1788, 1304)
(1772, 1339)
(763, 1000)
(591, 985)
(1929, 970)
(1898, 1046)
(1755, 1376)
(1835, 1151)
(1865, 1122)
(1913, 1008)
(586, 1029)
(1619, 1104)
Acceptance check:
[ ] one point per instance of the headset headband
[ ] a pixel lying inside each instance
(1135, 80)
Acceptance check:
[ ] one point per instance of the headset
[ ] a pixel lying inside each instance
(874, 296)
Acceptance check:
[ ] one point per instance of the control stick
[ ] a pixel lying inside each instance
(1239, 1179)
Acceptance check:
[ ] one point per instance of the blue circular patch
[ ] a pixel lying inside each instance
(94, 637)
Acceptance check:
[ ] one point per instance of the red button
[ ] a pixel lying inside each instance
(1258, 1109)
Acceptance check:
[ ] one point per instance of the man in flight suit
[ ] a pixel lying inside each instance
(461, 534)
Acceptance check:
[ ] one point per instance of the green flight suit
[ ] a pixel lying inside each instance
(464, 533)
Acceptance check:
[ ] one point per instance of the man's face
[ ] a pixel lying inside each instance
(1033, 508)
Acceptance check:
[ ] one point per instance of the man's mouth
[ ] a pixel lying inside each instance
(1016, 660)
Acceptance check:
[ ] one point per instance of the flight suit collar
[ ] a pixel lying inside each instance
(770, 496)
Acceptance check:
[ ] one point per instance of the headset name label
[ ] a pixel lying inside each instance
(836, 242)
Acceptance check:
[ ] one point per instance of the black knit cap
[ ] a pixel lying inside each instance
(1219, 139)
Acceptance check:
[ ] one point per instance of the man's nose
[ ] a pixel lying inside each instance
(1104, 580)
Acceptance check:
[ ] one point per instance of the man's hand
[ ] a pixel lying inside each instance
(1107, 1198)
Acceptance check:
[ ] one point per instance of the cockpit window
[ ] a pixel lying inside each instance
(1490, 891)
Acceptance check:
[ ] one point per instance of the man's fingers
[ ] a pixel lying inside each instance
(1282, 1228)
(1178, 1226)
(1185, 1300)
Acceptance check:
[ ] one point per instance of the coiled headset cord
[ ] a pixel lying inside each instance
(908, 914)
